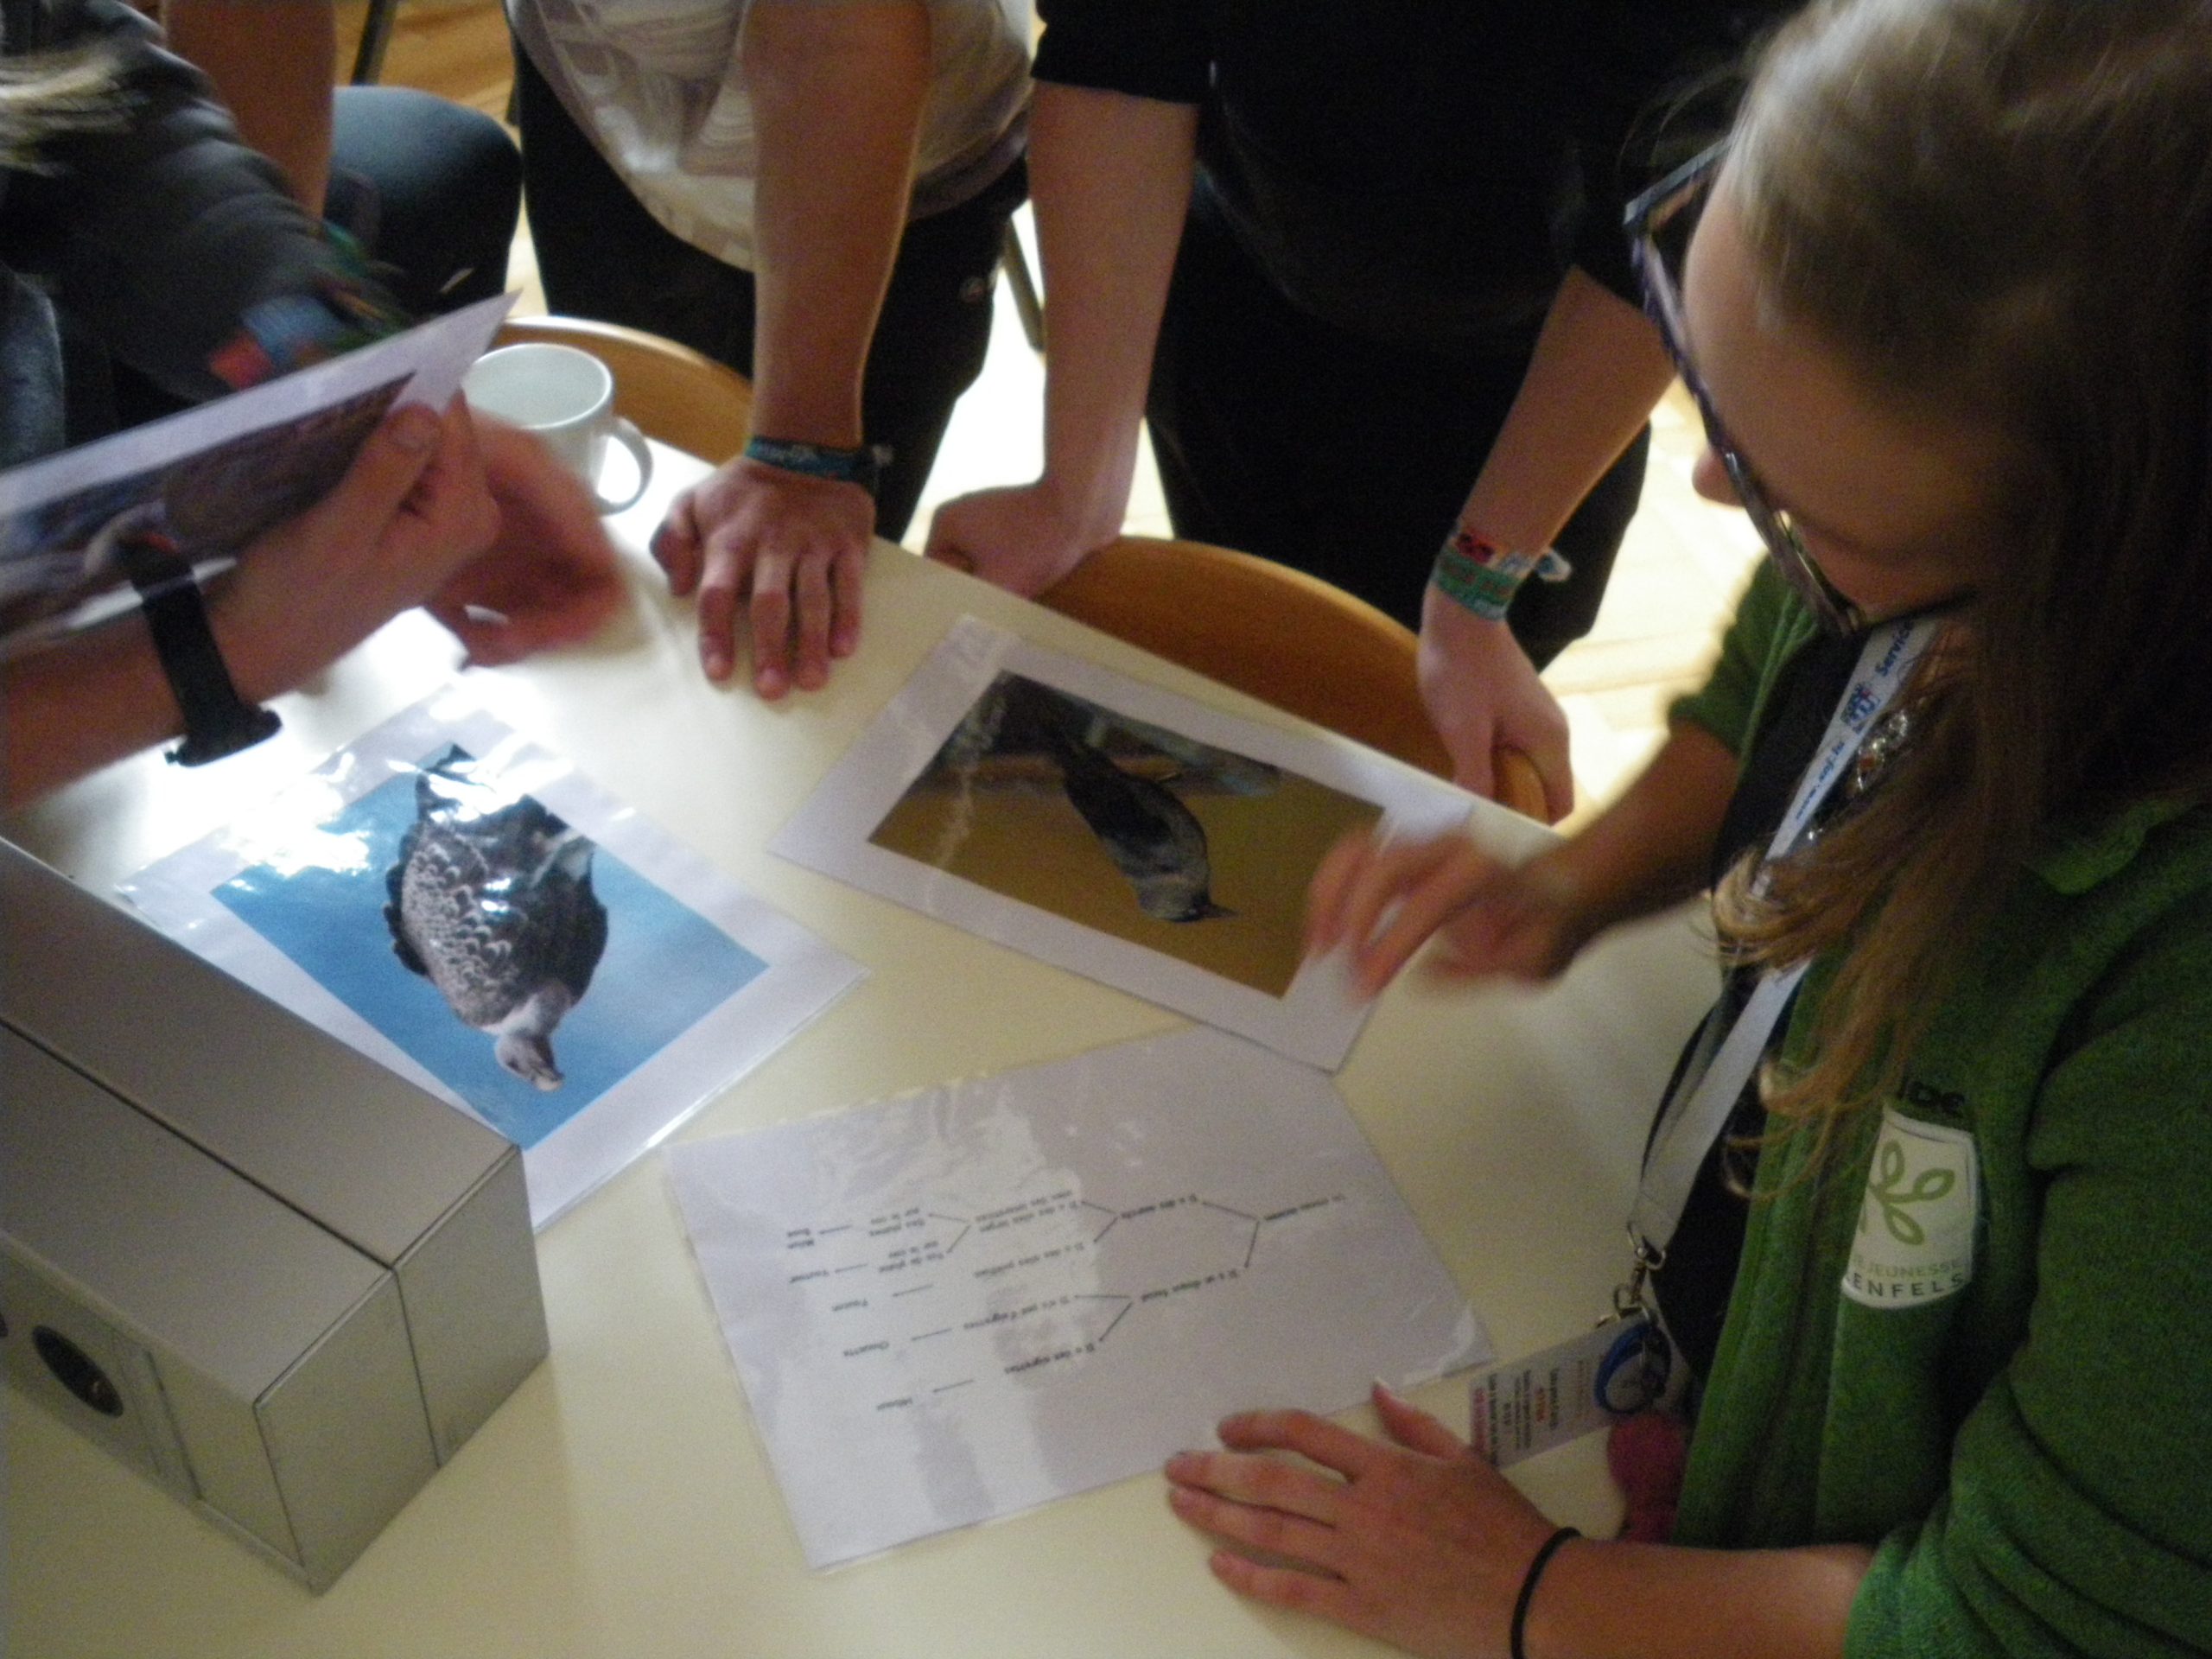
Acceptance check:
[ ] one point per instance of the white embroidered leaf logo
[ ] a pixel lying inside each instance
(1927, 1188)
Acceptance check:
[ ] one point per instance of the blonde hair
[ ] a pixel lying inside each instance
(1998, 215)
(54, 95)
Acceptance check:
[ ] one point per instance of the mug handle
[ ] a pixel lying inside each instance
(625, 432)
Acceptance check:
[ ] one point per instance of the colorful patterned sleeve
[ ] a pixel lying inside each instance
(171, 243)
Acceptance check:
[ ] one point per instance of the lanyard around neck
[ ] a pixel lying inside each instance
(1699, 1106)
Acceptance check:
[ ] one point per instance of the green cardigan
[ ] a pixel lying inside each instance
(2012, 1397)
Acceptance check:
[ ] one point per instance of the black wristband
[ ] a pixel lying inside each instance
(217, 721)
(863, 466)
(1528, 1580)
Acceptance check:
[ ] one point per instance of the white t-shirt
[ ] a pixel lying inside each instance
(658, 86)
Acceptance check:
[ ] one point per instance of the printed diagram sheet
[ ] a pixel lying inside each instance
(960, 1304)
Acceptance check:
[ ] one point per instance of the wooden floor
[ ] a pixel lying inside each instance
(456, 48)
(1679, 574)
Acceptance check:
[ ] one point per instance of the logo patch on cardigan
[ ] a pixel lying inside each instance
(1915, 1241)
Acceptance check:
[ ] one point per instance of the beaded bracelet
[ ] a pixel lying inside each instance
(1518, 1636)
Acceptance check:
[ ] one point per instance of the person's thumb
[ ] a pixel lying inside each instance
(387, 468)
(1559, 792)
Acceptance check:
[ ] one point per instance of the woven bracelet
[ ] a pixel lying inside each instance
(1475, 572)
(863, 466)
(1485, 589)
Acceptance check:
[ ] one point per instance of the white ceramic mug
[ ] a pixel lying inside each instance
(565, 397)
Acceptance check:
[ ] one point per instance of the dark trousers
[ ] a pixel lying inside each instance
(1284, 435)
(443, 193)
(601, 255)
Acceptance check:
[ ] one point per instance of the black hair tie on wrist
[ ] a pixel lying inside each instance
(217, 721)
(1529, 1581)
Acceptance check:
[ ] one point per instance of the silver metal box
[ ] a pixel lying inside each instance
(275, 1278)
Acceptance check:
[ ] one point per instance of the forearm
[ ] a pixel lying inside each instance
(272, 63)
(1597, 370)
(1653, 846)
(837, 91)
(1658, 1601)
(1110, 175)
(79, 704)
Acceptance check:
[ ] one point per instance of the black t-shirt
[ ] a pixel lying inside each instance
(1422, 169)
(1693, 1286)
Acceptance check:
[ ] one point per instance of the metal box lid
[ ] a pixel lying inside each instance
(359, 1150)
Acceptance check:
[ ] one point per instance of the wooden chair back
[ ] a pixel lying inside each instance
(683, 398)
(1276, 634)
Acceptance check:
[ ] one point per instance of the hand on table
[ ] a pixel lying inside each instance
(1483, 695)
(1020, 537)
(550, 578)
(1415, 1541)
(788, 548)
(1382, 899)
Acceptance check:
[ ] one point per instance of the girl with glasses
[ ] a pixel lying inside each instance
(1927, 1209)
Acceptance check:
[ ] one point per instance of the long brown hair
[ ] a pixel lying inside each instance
(1999, 215)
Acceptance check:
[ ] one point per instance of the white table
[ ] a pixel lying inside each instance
(620, 1503)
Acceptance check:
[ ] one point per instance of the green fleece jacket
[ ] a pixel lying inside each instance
(1982, 1341)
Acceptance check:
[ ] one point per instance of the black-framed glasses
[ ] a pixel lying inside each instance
(1659, 224)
